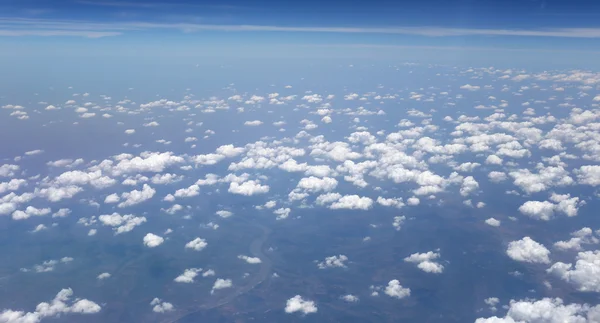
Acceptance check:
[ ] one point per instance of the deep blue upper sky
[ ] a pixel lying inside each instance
(514, 24)
(455, 13)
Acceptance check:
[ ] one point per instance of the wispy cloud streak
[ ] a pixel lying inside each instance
(42, 27)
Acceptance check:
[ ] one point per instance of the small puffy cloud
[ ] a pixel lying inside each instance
(197, 244)
(29, 212)
(394, 289)
(103, 276)
(112, 198)
(130, 131)
(152, 240)
(588, 175)
(546, 310)
(493, 160)
(282, 213)
(250, 260)
(497, 177)
(151, 124)
(350, 298)
(248, 188)
(528, 250)
(538, 210)
(333, 261)
(121, 223)
(584, 275)
(136, 197)
(229, 150)
(395, 202)
(470, 87)
(221, 284)
(492, 222)
(469, 185)
(188, 275)
(161, 307)
(582, 236)
(398, 221)
(191, 191)
(298, 304)
(314, 184)
(253, 123)
(224, 213)
(353, 202)
(425, 262)
(413, 201)
(60, 305)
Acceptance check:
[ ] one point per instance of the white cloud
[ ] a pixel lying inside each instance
(191, 191)
(161, 307)
(333, 261)
(221, 284)
(248, 188)
(469, 185)
(12, 185)
(314, 184)
(253, 123)
(492, 222)
(224, 213)
(136, 197)
(112, 198)
(394, 289)
(151, 240)
(122, 223)
(538, 210)
(425, 262)
(197, 244)
(528, 250)
(395, 202)
(57, 307)
(103, 276)
(546, 310)
(353, 202)
(297, 304)
(282, 213)
(350, 298)
(584, 276)
(398, 221)
(250, 260)
(29, 212)
(188, 275)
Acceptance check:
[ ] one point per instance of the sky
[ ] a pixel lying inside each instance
(305, 28)
(283, 161)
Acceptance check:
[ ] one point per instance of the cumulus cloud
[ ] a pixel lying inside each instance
(395, 290)
(197, 244)
(528, 250)
(136, 197)
(221, 284)
(248, 188)
(314, 184)
(253, 123)
(298, 304)
(425, 262)
(121, 223)
(546, 310)
(250, 260)
(333, 261)
(353, 202)
(350, 298)
(584, 275)
(161, 307)
(188, 275)
(152, 240)
(492, 222)
(282, 213)
(60, 305)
